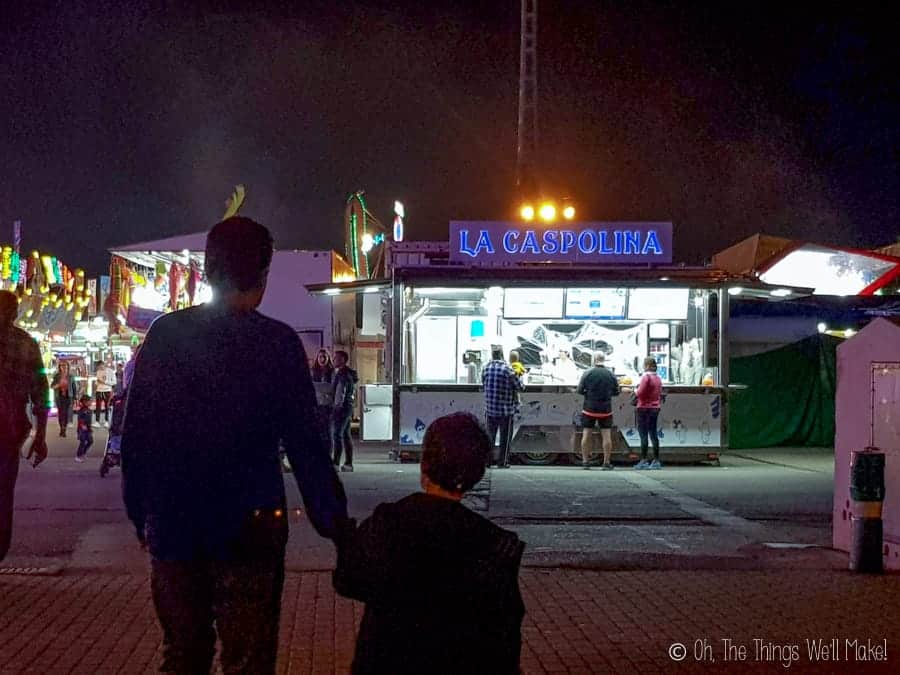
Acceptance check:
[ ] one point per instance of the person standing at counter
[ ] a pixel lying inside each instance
(500, 384)
(64, 393)
(598, 385)
(649, 397)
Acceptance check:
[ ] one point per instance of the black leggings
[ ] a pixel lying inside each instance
(646, 418)
(102, 397)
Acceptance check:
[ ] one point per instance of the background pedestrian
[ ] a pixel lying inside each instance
(345, 381)
(65, 394)
(500, 385)
(649, 400)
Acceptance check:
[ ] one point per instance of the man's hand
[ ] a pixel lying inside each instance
(38, 450)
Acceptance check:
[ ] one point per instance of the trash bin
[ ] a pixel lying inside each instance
(867, 498)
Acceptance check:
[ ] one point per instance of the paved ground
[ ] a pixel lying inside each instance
(619, 566)
(577, 622)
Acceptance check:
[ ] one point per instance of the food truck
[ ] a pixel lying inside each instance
(557, 295)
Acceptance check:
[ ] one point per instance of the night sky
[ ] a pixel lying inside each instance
(129, 121)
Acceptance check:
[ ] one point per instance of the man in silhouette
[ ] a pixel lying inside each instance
(202, 476)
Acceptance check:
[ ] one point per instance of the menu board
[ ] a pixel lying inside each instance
(661, 304)
(595, 303)
(533, 303)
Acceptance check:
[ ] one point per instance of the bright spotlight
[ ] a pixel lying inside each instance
(822, 327)
(368, 241)
(569, 212)
(527, 212)
(548, 212)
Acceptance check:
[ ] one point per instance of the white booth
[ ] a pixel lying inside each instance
(867, 414)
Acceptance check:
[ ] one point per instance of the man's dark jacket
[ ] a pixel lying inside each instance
(213, 393)
(598, 385)
(441, 589)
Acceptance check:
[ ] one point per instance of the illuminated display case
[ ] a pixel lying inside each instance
(557, 332)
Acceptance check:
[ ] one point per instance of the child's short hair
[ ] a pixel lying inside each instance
(455, 451)
(85, 399)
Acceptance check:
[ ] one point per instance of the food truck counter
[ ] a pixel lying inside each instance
(691, 422)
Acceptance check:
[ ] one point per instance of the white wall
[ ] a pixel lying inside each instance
(878, 342)
(286, 298)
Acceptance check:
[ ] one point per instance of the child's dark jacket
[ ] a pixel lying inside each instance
(441, 587)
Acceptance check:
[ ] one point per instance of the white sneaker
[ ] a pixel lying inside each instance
(79, 459)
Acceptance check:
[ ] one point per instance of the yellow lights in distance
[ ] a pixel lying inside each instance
(527, 212)
(547, 212)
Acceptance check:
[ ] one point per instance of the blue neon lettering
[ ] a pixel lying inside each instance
(567, 241)
(632, 242)
(587, 241)
(618, 238)
(652, 245)
(464, 244)
(604, 244)
(484, 242)
(551, 242)
(509, 241)
(530, 244)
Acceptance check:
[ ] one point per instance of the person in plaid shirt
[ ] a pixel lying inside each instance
(21, 379)
(500, 386)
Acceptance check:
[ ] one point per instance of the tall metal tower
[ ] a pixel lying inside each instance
(526, 159)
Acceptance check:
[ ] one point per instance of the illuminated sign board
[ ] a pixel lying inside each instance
(497, 243)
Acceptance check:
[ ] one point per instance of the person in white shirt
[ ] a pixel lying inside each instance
(103, 386)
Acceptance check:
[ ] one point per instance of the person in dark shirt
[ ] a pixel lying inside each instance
(22, 382)
(84, 428)
(598, 385)
(345, 381)
(202, 480)
(440, 582)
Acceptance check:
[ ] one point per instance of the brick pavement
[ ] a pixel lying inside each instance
(577, 622)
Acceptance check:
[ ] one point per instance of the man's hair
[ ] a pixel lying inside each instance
(455, 451)
(599, 359)
(497, 353)
(9, 307)
(238, 254)
(650, 364)
(345, 355)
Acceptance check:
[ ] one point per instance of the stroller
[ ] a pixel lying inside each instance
(112, 455)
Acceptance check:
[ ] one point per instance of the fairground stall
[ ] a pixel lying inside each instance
(54, 300)
(149, 279)
(558, 297)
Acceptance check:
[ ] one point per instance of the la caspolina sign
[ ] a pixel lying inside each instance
(594, 243)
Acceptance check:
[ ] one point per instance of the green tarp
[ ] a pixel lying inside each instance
(790, 399)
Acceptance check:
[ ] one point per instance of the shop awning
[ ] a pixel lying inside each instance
(181, 249)
(566, 276)
(830, 270)
(339, 288)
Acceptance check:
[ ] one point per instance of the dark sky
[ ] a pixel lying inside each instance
(128, 121)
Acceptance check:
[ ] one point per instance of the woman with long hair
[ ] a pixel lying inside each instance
(64, 393)
(323, 369)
